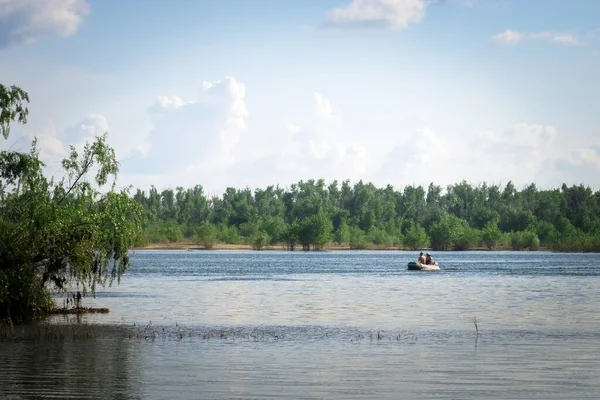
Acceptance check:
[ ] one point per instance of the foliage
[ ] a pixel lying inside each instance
(358, 240)
(315, 230)
(169, 232)
(228, 234)
(546, 232)
(206, 235)
(65, 232)
(460, 216)
(13, 107)
(491, 234)
(466, 238)
(342, 233)
(524, 240)
(260, 240)
(416, 237)
(57, 234)
(273, 228)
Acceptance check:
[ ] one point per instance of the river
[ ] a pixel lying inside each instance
(323, 325)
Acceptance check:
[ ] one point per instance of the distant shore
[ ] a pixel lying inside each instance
(227, 246)
(329, 246)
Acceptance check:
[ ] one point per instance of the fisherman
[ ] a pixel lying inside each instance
(421, 258)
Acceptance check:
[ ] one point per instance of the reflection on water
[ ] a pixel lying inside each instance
(95, 369)
(335, 325)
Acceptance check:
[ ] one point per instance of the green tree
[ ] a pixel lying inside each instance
(171, 232)
(259, 240)
(524, 240)
(206, 235)
(57, 234)
(546, 232)
(452, 232)
(228, 234)
(274, 227)
(491, 234)
(315, 230)
(357, 239)
(379, 237)
(342, 233)
(416, 237)
(13, 107)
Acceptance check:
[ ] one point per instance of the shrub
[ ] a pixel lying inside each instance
(358, 240)
(524, 240)
(206, 235)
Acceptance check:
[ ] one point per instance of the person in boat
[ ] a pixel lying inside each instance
(421, 258)
(429, 259)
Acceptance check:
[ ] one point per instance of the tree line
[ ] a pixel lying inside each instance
(312, 213)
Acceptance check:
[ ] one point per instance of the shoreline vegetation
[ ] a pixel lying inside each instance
(190, 245)
(315, 215)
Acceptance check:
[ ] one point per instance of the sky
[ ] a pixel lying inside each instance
(264, 92)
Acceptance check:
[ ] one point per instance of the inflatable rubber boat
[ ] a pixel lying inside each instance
(417, 266)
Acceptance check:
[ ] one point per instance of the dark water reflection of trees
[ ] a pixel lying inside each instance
(98, 367)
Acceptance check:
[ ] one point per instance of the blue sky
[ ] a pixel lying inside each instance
(251, 93)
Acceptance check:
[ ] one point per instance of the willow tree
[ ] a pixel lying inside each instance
(75, 232)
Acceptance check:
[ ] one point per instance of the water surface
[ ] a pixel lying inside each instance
(334, 325)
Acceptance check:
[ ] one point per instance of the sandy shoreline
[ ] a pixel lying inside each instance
(225, 246)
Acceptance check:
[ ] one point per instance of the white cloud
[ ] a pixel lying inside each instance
(587, 156)
(196, 136)
(292, 128)
(355, 159)
(164, 103)
(396, 14)
(580, 165)
(235, 124)
(418, 158)
(51, 147)
(86, 129)
(582, 157)
(323, 105)
(519, 152)
(522, 153)
(319, 148)
(25, 21)
(510, 37)
(566, 39)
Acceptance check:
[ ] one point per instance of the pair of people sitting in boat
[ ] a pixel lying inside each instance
(426, 259)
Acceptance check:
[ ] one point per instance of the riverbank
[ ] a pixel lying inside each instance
(227, 246)
(185, 245)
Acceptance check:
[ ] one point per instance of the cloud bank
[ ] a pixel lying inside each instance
(191, 135)
(25, 21)
(207, 141)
